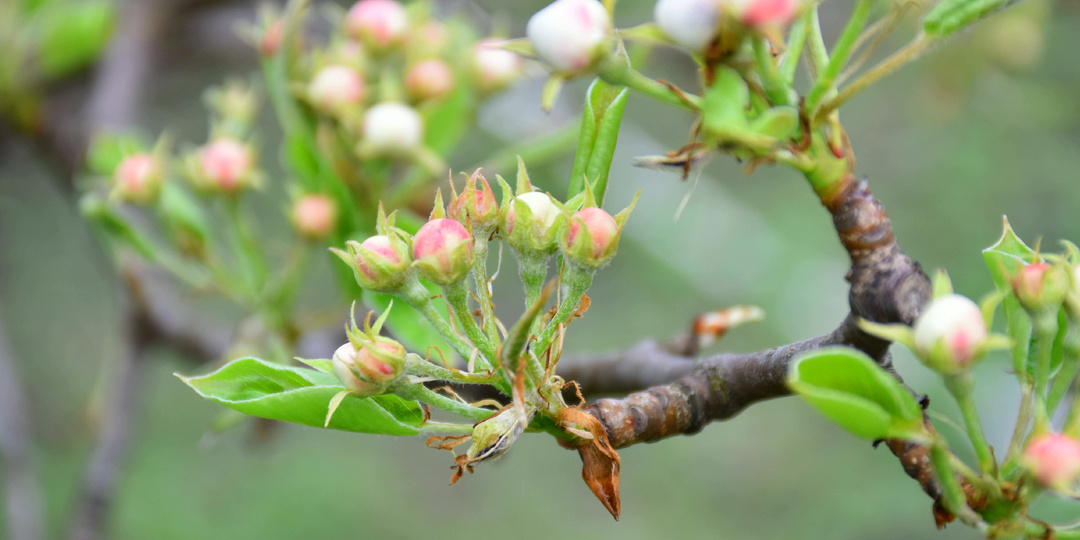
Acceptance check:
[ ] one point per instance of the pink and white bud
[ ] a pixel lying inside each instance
(571, 35)
(335, 89)
(763, 13)
(225, 165)
(443, 250)
(381, 262)
(270, 41)
(544, 212)
(690, 23)
(138, 178)
(370, 368)
(591, 238)
(392, 128)
(429, 79)
(494, 68)
(1041, 286)
(314, 216)
(531, 223)
(432, 38)
(379, 23)
(1054, 460)
(476, 205)
(950, 334)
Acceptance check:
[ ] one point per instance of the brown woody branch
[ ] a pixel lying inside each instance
(886, 287)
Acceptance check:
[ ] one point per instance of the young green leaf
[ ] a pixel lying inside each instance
(850, 389)
(600, 123)
(302, 396)
(950, 16)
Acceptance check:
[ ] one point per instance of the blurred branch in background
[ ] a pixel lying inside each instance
(22, 491)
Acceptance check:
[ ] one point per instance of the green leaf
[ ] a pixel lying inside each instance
(183, 213)
(73, 34)
(949, 16)
(850, 389)
(107, 150)
(321, 364)
(1005, 259)
(600, 121)
(302, 396)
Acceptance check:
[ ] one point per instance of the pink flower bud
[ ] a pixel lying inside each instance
(760, 13)
(592, 237)
(314, 216)
(225, 164)
(1054, 460)
(271, 38)
(380, 23)
(443, 249)
(690, 23)
(336, 88)
(368, 367)
(476, 206)
(432, 37)
(950, 333)
(382, 263)
(392, 128)
(494, 68)
(1041, 286)
(137, 178)
(570, 35)
(429, 79)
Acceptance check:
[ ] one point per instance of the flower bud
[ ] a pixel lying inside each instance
(379, 23)
(531, 223)
(762, 13)
(443, 249)
(429, 79)
(225, 165)
(592, 237)
(494, 68)
(138, 179)
(476, 206)
(314, 216)
(492, 437)
(335, 89)
(270, 40)
(368, 367)
(950, 334)
(392, 128)
(1041, 286)
(1054, 460)
(690, 23)
(571, 35)
(380, 263)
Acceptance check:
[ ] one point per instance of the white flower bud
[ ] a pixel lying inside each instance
(392, 128)
(570, 35)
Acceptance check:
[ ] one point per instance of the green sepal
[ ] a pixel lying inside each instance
(941, 284)
(320, 364)
(900, 333)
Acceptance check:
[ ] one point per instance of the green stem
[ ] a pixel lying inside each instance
(579, 281)
(421, 393)
(790, 62)
(1070, 369)
(962, 388)
(457, 295)
(246, 249)
(1045, 333)
(1072, 421)
(480, 273)
(445, 427)
(840, 55)
(954, 498)
(775, 88)
(1023, 418)
(819, 54)
(416, 295)
(897, 60)
(633, 79)
(418, 366)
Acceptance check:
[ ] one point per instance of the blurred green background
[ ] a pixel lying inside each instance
(949, 145)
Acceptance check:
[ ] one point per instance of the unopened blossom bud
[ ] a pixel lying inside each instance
(1041, 286)
(368, 367)
(138, 179)
(429, 79)
(592, 237)
(950, 334)
(314, 216)
(531, 223)
(690, 23)
(335, 89)
(476, 205)
(1054, 460)
(270, 41)
(380, 263)
(571, 35)
(430, 39)
(492, 437)
(494, 68)
(763, 13)
(443, 250)
(392, 128)
(225, 165)
(379, 23)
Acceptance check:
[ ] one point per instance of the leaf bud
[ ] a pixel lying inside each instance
(378, 23)
(443, 250)
(314, 216)
(138, 179)
(571, 36)
(1054, 461)
(492, 437)
(950, 334)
